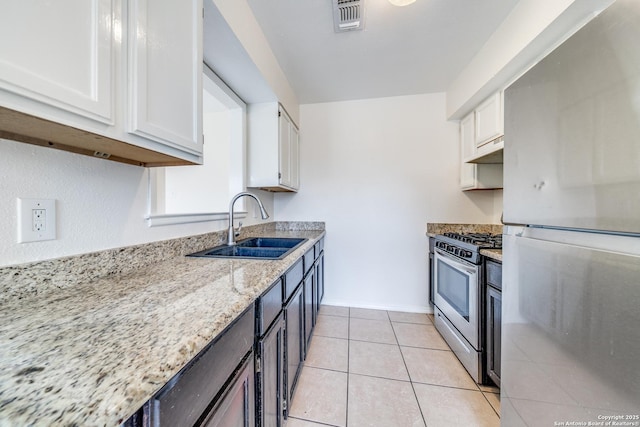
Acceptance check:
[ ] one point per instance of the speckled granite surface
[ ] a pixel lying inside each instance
(86, 344)
(440, 228)
(495, 254)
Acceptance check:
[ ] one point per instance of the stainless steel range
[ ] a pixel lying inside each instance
(458, 295)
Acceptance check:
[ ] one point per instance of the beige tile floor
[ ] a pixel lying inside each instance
(385, 368)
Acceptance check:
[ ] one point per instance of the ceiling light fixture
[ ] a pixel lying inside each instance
(401, 2)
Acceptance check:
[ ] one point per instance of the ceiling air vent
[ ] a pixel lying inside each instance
(348, 15)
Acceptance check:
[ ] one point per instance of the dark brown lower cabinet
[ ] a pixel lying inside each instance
(309, 298)
(237, 405)
(294, 341)
(319, 282)
(270, 360)
(494, 319)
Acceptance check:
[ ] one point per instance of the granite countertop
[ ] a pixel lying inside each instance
(434, 228)
(91, 353)
(495, 254)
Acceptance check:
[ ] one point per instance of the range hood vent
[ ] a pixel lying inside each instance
(348, 15)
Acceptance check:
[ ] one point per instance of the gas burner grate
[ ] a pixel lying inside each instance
(482, 240)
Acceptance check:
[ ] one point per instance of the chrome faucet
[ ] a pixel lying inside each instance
(233, 233)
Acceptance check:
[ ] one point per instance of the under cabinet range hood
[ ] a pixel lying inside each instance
(348, 15)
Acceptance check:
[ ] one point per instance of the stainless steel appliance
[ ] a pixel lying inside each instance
(458, 295)
(571, 265)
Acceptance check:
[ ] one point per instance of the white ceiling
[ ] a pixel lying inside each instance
(419, 48)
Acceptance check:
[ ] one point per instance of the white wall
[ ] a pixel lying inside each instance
(100, 204)
(377, 171)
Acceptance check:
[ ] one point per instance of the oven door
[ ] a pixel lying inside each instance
(456, 294)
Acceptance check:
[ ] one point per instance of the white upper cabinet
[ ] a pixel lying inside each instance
(284, 149)
(165, 62)
(289, 163)
(59, 54)
(467, 149)
(294, 159)
(273, 149)
(475, 176)
(487, 130)
(108, 78)
(489, 118)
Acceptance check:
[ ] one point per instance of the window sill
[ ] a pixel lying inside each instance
(174, 219)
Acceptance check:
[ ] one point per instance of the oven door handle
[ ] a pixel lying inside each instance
(458, 264)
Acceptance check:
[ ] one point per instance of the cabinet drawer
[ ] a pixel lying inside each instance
(187, 395)
(308, 257)
(269, 306)
(292, 278)
(494, 274)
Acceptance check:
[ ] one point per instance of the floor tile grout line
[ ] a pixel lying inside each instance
(379, 377)
(425, 348)
(325, 369)
(336, 338)
(373, 342)
(424, 420)
(346, 414)
(446, 386)
(312, 421)
(484, 394)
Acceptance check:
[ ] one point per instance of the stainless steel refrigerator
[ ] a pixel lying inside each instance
(571, 272)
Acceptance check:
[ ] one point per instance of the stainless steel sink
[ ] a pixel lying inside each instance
(254, 248)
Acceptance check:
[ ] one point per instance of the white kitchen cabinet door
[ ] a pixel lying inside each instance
(489, 120)
(273, 148)
(294, 165)
(59, 54)
(284, 149)
(467, 149)
(475, 176)
(289, 151)
(165, 72)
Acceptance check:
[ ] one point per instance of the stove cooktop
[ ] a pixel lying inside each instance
(467, 246)
(481, 240)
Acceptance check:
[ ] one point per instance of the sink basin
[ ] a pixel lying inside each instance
(270, 242)
(253, 248)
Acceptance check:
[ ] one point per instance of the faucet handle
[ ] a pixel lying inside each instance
(237, 230)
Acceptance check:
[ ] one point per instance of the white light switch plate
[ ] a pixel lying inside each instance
(36, 220)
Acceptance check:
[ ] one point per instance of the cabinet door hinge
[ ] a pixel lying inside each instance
(279, 175)
(279, 113)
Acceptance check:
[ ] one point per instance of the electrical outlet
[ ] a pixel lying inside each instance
(39, 222)
(36, 220)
